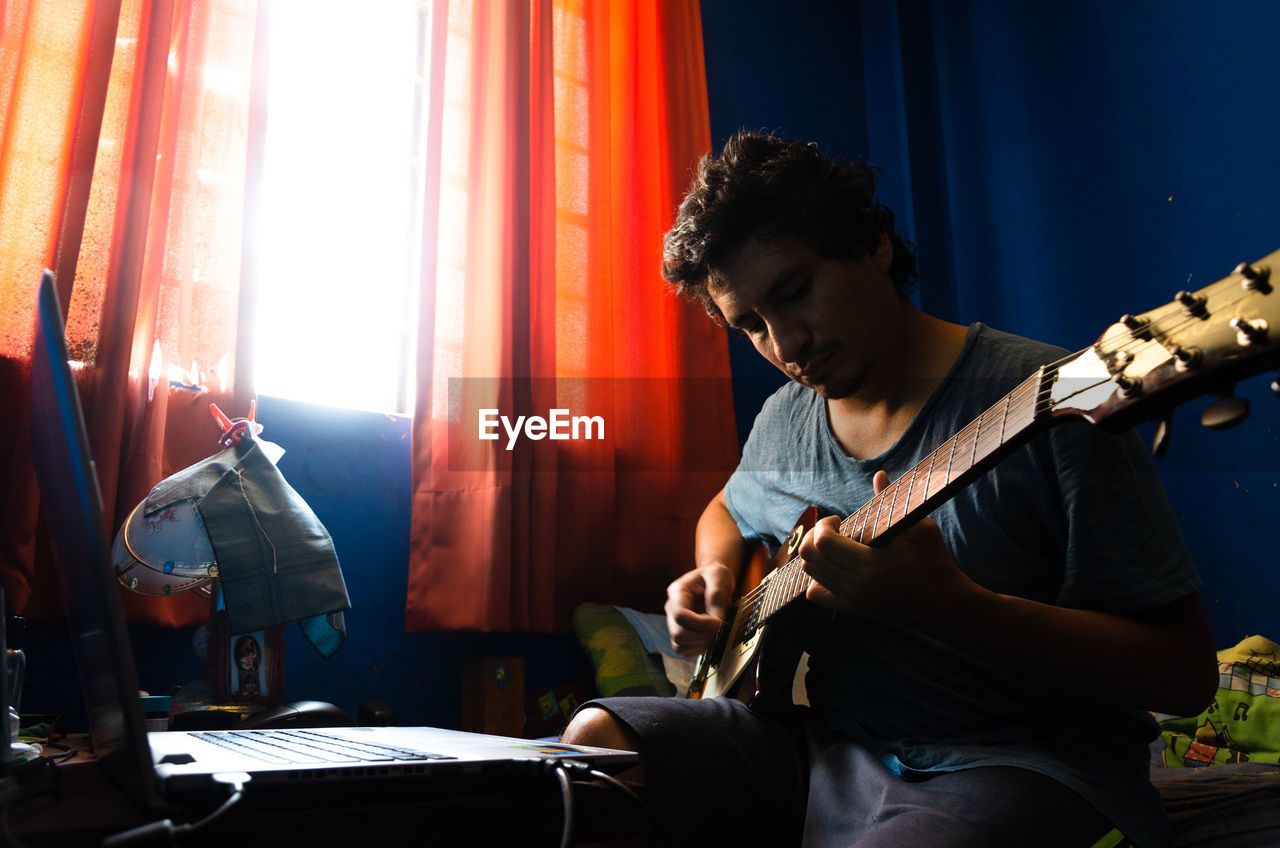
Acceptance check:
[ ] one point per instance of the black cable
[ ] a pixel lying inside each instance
(655, 827)
(625, 789)
(566, 802)
(6, 830)
(165, 832)
(25, 782)
(563, 768)
(237, 792)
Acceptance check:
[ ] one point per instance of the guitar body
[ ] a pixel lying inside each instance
(754, 656)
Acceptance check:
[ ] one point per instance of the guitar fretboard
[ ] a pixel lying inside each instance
(916, 493)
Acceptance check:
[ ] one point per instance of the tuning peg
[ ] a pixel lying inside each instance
(1186, 358)
(1248, 332)
(1160, 444)
(1129, 386)
(1227, 411)
(1139, 328)
(1192, 304)
(1255, 279)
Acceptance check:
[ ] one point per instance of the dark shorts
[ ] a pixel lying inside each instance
(718, 772)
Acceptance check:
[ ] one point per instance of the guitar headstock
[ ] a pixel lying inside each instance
(1202, 342)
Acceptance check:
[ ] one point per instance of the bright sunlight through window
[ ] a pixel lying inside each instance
(340, 215)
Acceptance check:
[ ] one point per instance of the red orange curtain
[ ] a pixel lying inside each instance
(562, 134)
(123, 132)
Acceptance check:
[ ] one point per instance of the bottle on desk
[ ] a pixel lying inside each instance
(15, 672)
(15, 659)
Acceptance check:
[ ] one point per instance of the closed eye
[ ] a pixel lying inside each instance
(799, 291)
(748, 328)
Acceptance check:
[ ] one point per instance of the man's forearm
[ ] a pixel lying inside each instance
(718, 540)
(1162, 659)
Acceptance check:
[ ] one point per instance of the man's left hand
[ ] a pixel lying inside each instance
(910, 580)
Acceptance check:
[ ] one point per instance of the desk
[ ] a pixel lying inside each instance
(77, 803)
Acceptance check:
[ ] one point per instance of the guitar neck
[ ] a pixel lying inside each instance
(979, 445)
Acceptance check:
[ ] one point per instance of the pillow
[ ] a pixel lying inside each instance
(1243, 721)
(622, 664)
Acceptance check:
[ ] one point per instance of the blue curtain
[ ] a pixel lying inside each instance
(1068, 163)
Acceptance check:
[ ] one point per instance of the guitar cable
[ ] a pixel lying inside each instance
(566, 770)
(165, 832)
(566, 803)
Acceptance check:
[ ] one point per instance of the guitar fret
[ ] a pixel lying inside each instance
(938, 470)
(977, 434)
(964, 451)
(768, 604)
(928, 476)
(989, 439)
(950, 456)
(1004, 419)
(788, 591)
(960, 463)
(790, 586)
(911, 489)
(875, 522)
(1027, 394)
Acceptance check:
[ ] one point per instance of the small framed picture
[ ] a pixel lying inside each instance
(245, 666)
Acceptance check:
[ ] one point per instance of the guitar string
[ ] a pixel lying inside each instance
(1182, 318)
(793, 567)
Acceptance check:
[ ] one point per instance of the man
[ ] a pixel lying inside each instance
(982, 678)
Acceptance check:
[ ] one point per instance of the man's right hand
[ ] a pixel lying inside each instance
(697, 603)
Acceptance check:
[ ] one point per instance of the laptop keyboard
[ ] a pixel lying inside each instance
(280, 747)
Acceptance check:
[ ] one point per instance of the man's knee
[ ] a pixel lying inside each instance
(597, 726)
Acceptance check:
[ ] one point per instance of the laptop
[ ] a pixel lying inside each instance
(163, 768)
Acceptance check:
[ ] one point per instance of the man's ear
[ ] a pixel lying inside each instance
(884, 253)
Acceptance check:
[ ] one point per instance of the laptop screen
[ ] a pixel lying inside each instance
(72, 511)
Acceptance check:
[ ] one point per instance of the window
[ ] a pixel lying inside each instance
(340, 208)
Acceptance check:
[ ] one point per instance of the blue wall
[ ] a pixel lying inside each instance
(1094, 158)
(1057, 164)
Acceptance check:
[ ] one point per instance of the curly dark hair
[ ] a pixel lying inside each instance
(765, 187)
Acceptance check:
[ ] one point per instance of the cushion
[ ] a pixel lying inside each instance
(1242, 723)
(622, 664)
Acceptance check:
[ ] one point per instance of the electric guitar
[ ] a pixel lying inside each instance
(1141, 368)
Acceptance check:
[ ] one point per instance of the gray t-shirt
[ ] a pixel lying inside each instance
(1075, 517)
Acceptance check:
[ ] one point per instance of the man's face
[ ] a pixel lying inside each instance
(824, 322)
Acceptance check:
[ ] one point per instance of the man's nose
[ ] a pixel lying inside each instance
(790, 338)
